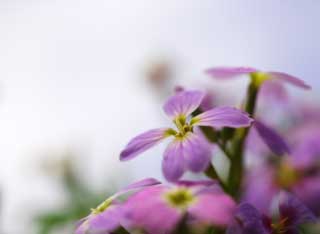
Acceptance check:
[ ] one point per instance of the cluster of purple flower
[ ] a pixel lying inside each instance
(278, 195)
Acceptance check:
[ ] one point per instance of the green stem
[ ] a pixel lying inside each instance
(236, 166)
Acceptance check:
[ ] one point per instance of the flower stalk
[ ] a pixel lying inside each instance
(236, 161)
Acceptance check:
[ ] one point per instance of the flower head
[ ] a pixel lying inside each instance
(298, 172)
(202, 202)
(107, 216)
(232, 72)
(188, 150)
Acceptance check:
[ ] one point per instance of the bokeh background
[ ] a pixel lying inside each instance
(79, 78)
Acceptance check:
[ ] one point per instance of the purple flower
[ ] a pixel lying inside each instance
(292, 214)
(107, 216)
(232, 72)
(188, 150)
(298, 172)
(161, 208)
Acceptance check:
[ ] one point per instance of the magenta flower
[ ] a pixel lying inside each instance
(188, 150)
(108, 215)
(292, 214)
(161, 208)
(232, 72)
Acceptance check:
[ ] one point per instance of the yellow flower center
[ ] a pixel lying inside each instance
(287, 175)
(183, 127)
(179, 198)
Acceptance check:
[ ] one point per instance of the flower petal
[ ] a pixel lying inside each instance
(196, 183)
(247, 220)
(260, 188)
(104, 222)
(139, 211)
(138, 185)
(215, 208)
(229, 72)
(223, 117)
(273, 91)
(173, 161)
(196, 152)
(275, 142)
(143, 142)
(294, 211)
(308, 191)
(289, 78)
(183, 103)
(306, 151)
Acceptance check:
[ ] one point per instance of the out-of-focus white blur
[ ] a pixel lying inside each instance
(72, 77)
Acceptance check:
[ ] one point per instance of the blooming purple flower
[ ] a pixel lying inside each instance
(298, 172)
(189, 149)
(292, 214)
(107, 216)
(161, 208)
(232, 72)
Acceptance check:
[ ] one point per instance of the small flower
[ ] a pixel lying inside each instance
(161, 208)
(292, 214)
(232, 72)
(298, 172)
(189, 149)
(107, 216)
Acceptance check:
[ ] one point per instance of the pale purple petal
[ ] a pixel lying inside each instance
(288, 78)
(102, 223)
(208, 101)
(148, 210)
(308, 191)
(138, 185)
(216, 208)
(275, 142)
(223, 117)
(183, 103)
(248, 220)
(192, 183)
(255, 144)
(173, 164)
(142, 143)
(306, 152)
(294, 211)
(196, 152)
(274, 92)
(260, 188)
(229, 72)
